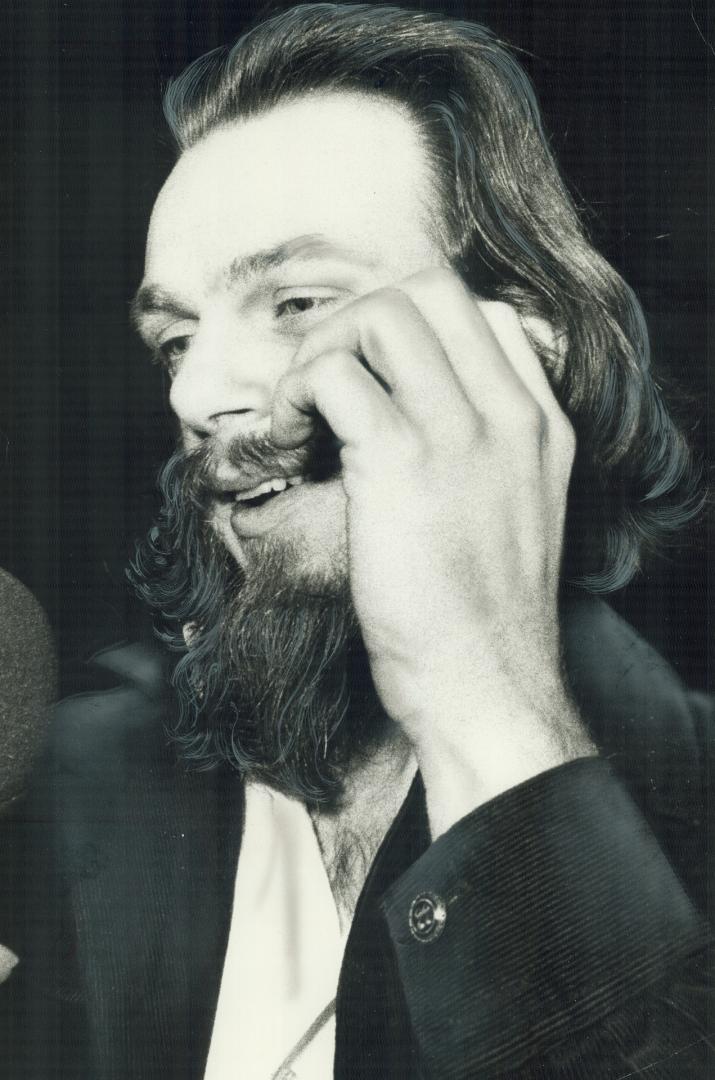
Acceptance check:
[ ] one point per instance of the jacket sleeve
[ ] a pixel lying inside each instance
(546, 934)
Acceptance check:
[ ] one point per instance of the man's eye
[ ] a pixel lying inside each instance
(296, 306)
(170, 352)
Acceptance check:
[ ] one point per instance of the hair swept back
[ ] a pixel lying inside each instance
(511, 230)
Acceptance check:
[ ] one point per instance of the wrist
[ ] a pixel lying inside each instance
(463, 769)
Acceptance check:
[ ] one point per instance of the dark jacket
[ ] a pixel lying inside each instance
(574, 945)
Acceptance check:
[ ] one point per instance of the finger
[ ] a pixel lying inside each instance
(509, 332)
(493, 359)
(335, 385)
(400, 349)
(479, 362)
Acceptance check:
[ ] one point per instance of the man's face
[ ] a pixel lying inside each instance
(264, 228)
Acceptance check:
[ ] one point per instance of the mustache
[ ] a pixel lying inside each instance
(255, 454)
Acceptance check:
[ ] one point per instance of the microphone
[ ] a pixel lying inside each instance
(28, 679)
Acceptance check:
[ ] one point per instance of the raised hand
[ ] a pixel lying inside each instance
(456, 461)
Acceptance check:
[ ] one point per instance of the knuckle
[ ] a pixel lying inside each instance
(414, 449)
(539, 424)
(437, 281)
(550, 431)
(499, 312)
(540, 333)
(378, 311)
(564, 435)
(436, 277)
(466, 428)
(381, 303)
(521, 430)
(464, 437)
(526, 417)
(330, 363)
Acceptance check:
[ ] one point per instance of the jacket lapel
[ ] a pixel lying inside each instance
(151, 856)
(150, 849)
(373, 1036)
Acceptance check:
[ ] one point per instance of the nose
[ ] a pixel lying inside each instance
(224, 384)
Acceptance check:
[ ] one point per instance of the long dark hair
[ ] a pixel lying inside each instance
(511, 230)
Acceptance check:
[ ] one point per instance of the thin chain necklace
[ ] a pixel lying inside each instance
(285, 1069)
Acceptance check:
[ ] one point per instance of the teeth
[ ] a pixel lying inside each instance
(278, 483)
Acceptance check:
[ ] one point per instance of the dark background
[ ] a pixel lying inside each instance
(83, 423)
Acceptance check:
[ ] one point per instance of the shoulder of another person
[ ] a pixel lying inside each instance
(16, 597)
(25, 638)
(124, 718)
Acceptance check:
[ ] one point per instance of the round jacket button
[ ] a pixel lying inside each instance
(428, 915)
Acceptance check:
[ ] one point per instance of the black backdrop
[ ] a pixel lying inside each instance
(83, 423)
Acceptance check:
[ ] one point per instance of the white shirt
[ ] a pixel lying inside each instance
(285, 948)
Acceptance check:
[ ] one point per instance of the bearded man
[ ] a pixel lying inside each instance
(427, 807)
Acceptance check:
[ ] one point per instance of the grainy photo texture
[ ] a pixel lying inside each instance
(355, 709)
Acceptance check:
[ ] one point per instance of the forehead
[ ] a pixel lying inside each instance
(345, 166)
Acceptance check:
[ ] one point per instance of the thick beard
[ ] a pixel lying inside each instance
(272, 676)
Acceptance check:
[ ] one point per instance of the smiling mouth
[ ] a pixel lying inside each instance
(318, 464)
(275, 490)
(281, 502)
(264, 492)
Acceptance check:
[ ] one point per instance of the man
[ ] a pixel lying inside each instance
(426, 809)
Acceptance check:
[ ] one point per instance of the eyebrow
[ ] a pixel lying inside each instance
(302, 247)
(152, 299)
